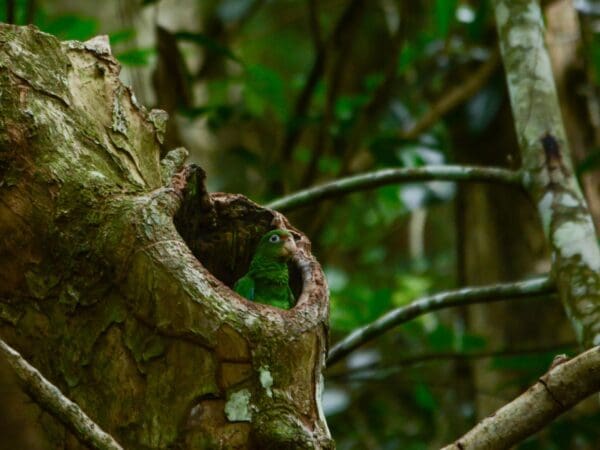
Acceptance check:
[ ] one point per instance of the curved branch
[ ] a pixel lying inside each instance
(53, 400)
(465, 296)
(378, 178)
(561, 388)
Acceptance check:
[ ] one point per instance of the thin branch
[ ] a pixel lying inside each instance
(464, 296)
(402, 363)
(294, 129)
(51, 399)
(343, 45)
(370, 112)
(561, 388)
(378, 178)
(454, 97)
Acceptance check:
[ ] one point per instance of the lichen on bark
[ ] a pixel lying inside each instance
(547, 163)
(99, 290)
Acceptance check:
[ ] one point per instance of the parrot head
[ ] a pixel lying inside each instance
(277, 244)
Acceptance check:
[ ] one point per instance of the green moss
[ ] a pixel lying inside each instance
(10, 313)
(36, 57)
(40, 283)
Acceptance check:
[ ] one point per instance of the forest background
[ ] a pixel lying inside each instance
(272, 97)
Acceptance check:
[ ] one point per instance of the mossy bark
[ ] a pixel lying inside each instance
(99, 290)
(547, 163)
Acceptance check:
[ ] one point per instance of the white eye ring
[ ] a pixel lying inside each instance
(274, 239)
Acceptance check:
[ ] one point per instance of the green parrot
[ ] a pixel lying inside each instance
(267, 279)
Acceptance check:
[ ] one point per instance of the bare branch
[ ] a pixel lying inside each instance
(464, 296)
(561, 388)
(294, 128)
(454, 97)
(378, 178)
(51, 399)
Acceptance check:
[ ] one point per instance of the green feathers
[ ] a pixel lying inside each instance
(267, 280)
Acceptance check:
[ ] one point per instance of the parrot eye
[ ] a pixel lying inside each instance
(274, 239)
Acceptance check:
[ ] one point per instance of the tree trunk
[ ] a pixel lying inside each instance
(545, 153)
(100, 292)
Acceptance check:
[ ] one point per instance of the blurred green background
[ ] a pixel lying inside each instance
(272, 96)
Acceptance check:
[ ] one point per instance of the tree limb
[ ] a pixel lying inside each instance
(547, 164)
(561, 388)
(454, 97)
(378, 178)
(464, 296)
(54, 401)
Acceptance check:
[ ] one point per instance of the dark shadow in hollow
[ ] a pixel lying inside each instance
(223, 230)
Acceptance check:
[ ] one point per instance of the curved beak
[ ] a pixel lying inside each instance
(289, 245)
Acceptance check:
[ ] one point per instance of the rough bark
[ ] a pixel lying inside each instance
(561, 388)
(545, 153)
(99, 291)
